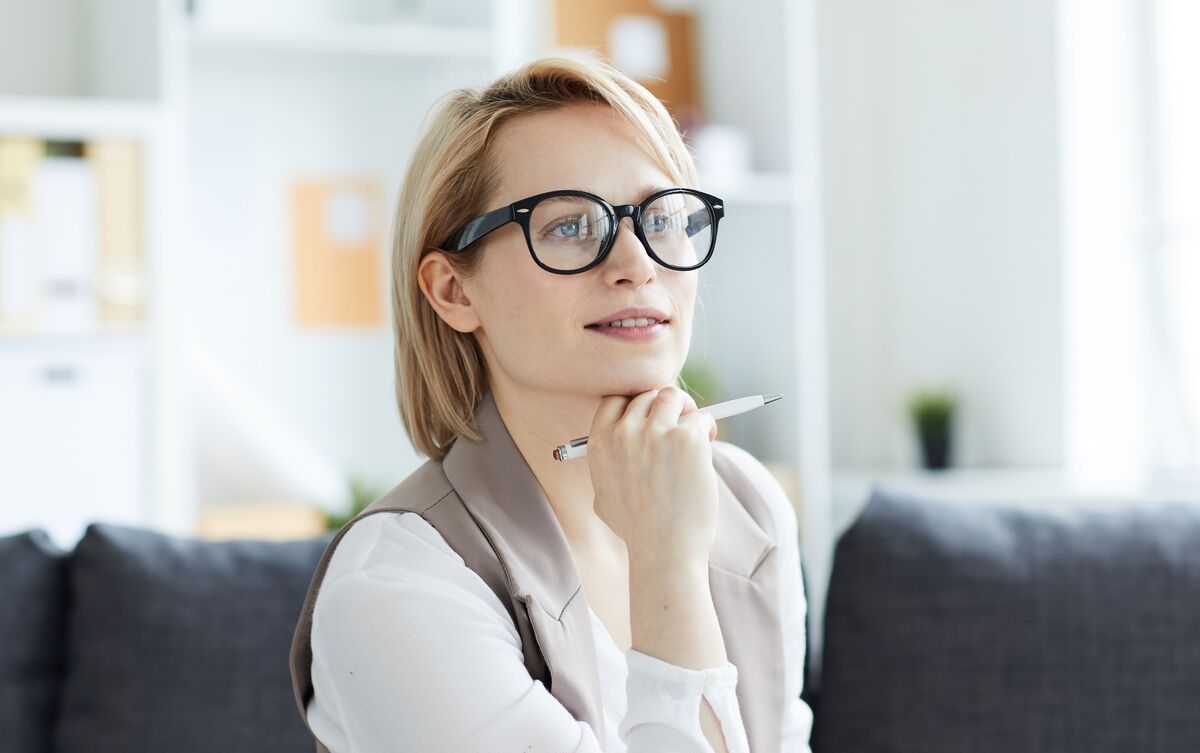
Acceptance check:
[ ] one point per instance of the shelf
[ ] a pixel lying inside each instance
(12, 340)
(77, 117)
(1016, 485)
(404, 40)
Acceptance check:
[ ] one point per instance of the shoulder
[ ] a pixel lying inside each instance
(388, 541)
(409, 644)
(391, 564)
(392, 538)
(417, 492)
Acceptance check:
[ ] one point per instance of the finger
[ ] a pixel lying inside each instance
(702, 422)
(639, 406)
(689, 402)
(666, 407)
(610, 410)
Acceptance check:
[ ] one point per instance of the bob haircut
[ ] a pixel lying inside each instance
(440, 372)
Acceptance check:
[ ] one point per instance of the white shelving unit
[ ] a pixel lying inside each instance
(92, 428)
(406, 40)
(764, 314)
(79, 117)
(232, 106)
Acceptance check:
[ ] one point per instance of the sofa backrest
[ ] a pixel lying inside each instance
(962, 626)
(179, 645)
(33, 576)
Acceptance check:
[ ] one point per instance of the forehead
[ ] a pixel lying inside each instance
(583, 146)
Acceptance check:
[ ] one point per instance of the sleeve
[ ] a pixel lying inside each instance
(664, 706)
(797, 717)
(412, 650)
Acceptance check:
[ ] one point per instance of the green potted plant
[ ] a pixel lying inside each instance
(699, 380)
(932, 413)
(361, 495)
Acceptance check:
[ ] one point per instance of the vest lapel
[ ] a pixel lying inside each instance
(743, 577)
(500, 491)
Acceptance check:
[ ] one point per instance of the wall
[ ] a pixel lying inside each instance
(257, 120)
(939, 124)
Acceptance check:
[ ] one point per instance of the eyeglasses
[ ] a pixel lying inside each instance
(571, 231)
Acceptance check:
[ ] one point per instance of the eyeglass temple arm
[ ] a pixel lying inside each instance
(697, 221)
(481, 226)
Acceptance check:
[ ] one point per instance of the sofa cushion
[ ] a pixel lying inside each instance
(179, 644)
(955, 626)
(33, 595)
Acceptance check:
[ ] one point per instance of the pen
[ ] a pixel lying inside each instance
(577, 448)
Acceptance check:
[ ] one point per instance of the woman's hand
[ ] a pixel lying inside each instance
(650, 458)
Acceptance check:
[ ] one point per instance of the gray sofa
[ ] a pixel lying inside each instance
(137, 641)
(949, 627)
(955, 626)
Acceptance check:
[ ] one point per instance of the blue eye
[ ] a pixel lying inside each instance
(572, 228)
(661, 222)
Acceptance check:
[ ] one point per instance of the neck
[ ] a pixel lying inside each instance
(540, 421)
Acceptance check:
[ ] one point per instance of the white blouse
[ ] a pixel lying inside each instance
(413, 651)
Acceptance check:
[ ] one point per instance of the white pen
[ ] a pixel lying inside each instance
(577, 448)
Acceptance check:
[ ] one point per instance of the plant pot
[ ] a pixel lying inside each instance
(935, 450)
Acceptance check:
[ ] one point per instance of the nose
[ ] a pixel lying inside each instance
(628, 259)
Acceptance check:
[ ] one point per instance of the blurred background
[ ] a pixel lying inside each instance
(961, 239)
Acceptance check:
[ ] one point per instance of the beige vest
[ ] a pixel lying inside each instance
(489, 507)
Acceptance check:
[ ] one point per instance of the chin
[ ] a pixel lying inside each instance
(634, 384)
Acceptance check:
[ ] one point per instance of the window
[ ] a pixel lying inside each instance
(1130, 143)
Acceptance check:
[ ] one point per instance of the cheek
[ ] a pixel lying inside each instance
(531, 310)
(685, 297)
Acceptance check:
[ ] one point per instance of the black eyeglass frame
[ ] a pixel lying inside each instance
(521, 210)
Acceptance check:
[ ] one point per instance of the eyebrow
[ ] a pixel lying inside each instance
(644, 191)
(651, 189)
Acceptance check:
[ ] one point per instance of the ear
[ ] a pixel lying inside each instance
(443, 288)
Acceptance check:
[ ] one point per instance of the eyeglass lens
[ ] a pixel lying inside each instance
(568, 232)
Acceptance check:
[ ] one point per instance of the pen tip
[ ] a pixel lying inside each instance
(770, 398)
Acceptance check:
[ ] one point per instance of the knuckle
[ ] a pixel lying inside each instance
(684, 431)
(679, 433)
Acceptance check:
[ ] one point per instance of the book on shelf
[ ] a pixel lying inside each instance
(64, 243)
(71, 236)
(120, 290)
(18, 275)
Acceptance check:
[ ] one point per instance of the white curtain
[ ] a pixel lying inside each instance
(1173, 48)
(1130, 140)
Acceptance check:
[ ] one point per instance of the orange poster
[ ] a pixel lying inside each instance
(337, 230)
(651, 41)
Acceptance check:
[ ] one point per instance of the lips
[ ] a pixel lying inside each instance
(632, 334)
(643, 312)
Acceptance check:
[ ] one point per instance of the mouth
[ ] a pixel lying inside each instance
(640, 330)
(633, 316)
(631, 323)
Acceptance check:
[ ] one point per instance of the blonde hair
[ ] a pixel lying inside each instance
(440, 372)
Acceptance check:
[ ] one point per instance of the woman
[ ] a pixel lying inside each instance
(646, 597)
